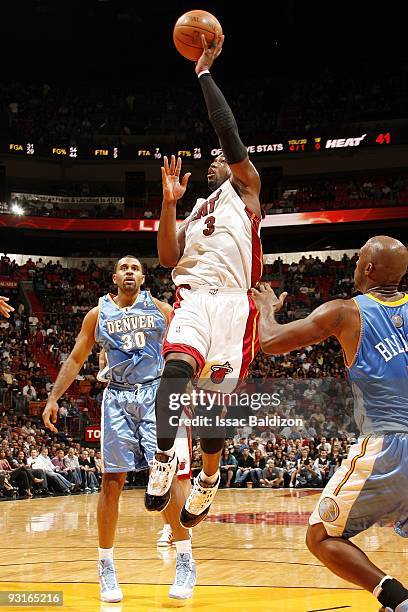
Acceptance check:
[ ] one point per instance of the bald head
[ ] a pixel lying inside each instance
(383, 261)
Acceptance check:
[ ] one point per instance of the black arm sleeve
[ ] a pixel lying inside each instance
(223, 121)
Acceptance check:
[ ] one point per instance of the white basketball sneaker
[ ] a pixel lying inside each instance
(185, 579)
(157, 495)
(198, 502)
(110, 589)
(166, 538)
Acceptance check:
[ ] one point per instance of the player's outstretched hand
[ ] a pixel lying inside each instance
(209, 54)
(50, 415)
(5, 308)
(266, 299)
(173, 189)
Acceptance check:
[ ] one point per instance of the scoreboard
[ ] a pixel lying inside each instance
(293, 145)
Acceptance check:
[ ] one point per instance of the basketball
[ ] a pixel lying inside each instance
(188, 30)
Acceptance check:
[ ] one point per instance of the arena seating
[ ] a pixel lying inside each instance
(32, 349)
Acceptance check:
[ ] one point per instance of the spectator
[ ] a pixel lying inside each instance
(71, 463)
(321, 466)
(89, 481)
(29, 392)
(259, 466)
(43, 462)
(17, 477)
(271, 476)
(61, 468)
(196, 463)
(245, 465)
(228, 466)
(305, 475)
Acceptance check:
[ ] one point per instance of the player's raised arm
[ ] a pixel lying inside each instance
(71, 367)
(224, 124)
(327, 320)
(170, 243)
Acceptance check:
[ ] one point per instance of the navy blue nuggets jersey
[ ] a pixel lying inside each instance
(132, 338)
(379, 372)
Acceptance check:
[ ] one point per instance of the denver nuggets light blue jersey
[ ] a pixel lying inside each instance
(132, 338)
(379, 372)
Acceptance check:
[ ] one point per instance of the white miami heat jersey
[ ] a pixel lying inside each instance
(223, 247)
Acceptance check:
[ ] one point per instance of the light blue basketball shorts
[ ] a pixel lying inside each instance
(128, 427)
(370, 486)
(128, 430)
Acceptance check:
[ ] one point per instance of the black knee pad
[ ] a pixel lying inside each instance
(175, 378)
(211, 433)
(177, 368)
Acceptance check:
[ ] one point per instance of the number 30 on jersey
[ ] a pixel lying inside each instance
(135, 340)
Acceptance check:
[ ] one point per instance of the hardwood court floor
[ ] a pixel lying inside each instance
(250, 555)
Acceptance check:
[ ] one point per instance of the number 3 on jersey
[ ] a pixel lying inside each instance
(210, 223)
(130, 341)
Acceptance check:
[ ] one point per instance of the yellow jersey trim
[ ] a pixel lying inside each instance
(97, 318)
(352, 466)
(359, 339)
(403, 300)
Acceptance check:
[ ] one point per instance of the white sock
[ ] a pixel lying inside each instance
(169, 452)
(184, 546)
(166, 527)
(402, 606)
(378, 588)
(105, 553)
(208, 479)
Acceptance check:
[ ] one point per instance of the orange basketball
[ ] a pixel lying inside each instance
(188, 30)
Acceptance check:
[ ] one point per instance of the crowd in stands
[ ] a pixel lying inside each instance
(331, 193)
(28, 204)
(346, 94)
(270, 461)
(315, 398)
(51, 113)
(34, 462)
(75, 114)
(334, 194)
(22, 379)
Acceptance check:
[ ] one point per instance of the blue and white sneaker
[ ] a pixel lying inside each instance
(403, 607)
(110, 589)
(401, 528)
(185, 579)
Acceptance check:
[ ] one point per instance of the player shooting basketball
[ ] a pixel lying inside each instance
(217, 258)
(371, 486)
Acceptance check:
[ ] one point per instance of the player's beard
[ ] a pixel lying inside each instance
(213, 183)
(130, 289)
